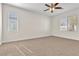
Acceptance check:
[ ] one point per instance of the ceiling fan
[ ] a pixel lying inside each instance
(52, 7)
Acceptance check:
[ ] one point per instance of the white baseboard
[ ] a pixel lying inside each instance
(0, 43)
(65, 37)
(26, 38)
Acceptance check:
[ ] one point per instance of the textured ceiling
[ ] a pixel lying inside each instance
(39, 7)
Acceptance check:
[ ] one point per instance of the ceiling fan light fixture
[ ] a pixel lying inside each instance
(52, 7)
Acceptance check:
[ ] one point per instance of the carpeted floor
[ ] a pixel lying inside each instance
(47, 46)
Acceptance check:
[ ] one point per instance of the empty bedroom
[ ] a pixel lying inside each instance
(39, 29)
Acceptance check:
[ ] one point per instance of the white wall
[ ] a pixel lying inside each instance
(31, 25)
(0, 23)
(55, 25)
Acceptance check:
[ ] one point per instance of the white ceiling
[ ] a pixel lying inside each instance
(40, 7)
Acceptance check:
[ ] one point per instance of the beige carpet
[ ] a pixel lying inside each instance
(47, 46)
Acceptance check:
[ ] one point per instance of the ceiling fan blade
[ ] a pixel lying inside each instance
(52, 5)
(47, 5)
(46, 9)
(58, 8)
(56, 4)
